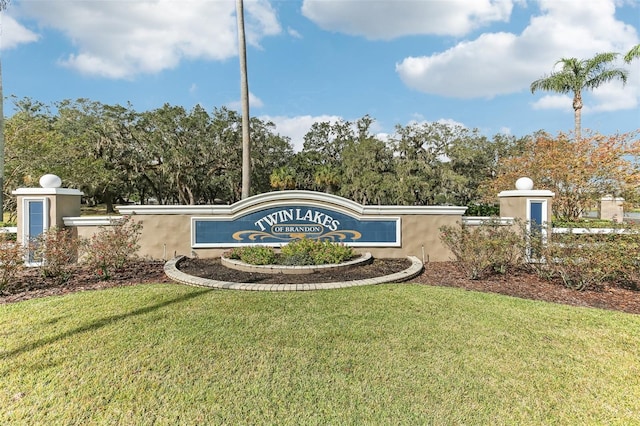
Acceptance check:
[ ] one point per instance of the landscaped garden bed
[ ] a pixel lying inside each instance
(29, 283)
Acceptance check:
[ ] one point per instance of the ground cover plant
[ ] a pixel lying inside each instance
(390, 354)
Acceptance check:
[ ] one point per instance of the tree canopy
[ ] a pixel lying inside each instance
(579, 172)
(171, 155)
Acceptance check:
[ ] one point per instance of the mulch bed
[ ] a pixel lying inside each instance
(213, 269)
(30, 284)
(526, 285)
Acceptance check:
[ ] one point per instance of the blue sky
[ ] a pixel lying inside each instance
(468, 62)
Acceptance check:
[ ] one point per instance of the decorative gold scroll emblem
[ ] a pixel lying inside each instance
(253, 235)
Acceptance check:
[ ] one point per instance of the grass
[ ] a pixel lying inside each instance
(391, 354)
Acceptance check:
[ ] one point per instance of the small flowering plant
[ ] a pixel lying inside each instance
(57, 250)
(111, 248)
(11, 259)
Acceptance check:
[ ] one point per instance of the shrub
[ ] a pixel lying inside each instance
(584, 261)
(12, 257)
(57, 250)
(254, 255)
(485, 249)
(315, 252)
(111, 248)
(234, 253)
(578, 265)
(297, 253)
(327, 252)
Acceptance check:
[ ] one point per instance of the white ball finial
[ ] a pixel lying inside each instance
(50, 181)
(524, 184)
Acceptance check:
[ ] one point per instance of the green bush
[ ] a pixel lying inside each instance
(234, 253)
(327, 252)
(254, 255)
(315, 252)
(297, 253)
(484, 249)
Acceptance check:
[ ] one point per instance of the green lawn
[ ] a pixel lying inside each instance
(391, 354)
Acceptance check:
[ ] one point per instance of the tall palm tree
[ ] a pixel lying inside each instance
(633, 53)
(244, 99)
(3, 7)
(577, 75)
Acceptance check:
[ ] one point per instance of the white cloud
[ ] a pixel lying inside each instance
(391, 19)
(124, 39)
(561, 102)
(503, 63)
(14, 34)
(613, 96)
(254, 102)
(297, 127)
(419, 120)
(293, 33)
(260, 20)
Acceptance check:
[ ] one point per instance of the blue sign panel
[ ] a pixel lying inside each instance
(35, 225)
(279, 225)
(36, 218)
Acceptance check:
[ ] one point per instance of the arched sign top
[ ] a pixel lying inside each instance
(305, 196)
(278, 198)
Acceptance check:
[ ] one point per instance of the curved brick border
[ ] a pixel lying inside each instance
(172, 271)
(286, 269)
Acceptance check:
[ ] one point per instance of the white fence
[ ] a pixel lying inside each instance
(595, 231)
(9, 230)
(483, 220)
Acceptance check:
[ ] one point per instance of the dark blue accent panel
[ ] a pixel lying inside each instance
(35, 214)
(536, 213)
(36, 218)
(535, 209)
(278, 225)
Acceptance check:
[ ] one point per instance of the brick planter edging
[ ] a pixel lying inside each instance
(172, 271)
(238, 265)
